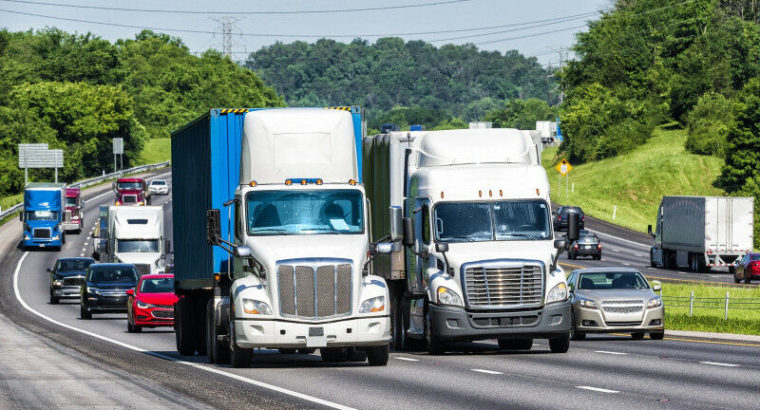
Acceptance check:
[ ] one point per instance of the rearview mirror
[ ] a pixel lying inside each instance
(441, 247)
(83, 203)
(113, 186)
(242, 252)
(381, 248)
(649, 230)
(408, 232)
(656, 286)
(213, 227)
(560, 244)
(394, 213)
(130, 292)
(49, 270)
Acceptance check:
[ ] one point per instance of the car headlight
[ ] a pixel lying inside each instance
(57, 283)
(92, 290)
(373, 305)
(654, 302)
(256, 307)
(588, 304)
(447, 296)
(142, 305)
(557, 294)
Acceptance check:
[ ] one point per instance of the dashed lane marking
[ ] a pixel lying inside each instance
(607, 352)
(407, 359)
(486, 371)
(597, 389)
(720, 364)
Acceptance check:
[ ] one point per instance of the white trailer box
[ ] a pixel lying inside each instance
(700, 232)
(136, 235)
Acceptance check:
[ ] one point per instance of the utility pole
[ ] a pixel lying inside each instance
(226, 23)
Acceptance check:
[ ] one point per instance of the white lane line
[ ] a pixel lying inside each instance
(607, 352)
(638, 255)
(626, 264)
(597, 389)
(486, 371)
(721, 364)
(621, 239)
(81, 254)
(243, 379)
(407, 359)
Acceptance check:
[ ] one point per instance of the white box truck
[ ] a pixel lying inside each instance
(479, 259)
(136, 235)
(699, 232)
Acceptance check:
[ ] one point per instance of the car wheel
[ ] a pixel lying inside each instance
(747, 280)
(378, 355)
(737, 280)
(84, 313)
(560, 344)
(54, 299)
(656, 335)
(138, 329)
(637, 335)
(433, 345)
(574, 335)
(333, 354)
(515, 344)
(130, 328)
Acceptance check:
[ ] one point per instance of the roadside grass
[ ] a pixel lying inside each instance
(155, 150)
(743, 315)
(637, 181)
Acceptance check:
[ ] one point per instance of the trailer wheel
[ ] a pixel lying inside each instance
(185, 331)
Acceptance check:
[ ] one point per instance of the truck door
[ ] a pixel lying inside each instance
(657, 246)
(422, 244)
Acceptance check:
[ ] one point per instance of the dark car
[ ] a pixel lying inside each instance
(587, 245)
(560, 217)
(747, 268)
(67, 277)
(105, 289)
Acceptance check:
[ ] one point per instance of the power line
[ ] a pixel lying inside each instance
(557, 21)
(259, 12)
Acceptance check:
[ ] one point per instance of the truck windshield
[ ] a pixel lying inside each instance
(71, 201)
(305, 212)
(130, 185)
(488, 221)
(41, 215)
(137, 245)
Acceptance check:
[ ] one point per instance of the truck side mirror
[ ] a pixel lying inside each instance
(113, 186)
(441, 247)
(21, 216)
(573, 227)
(649, 230)
(560, 244)
(213, 227)
(83, 203)
(168, 249)
(380, 248)
(408, 232)
(394, 213)
(242, 252)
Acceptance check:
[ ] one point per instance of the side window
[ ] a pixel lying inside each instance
(238, 221)
(426, 224)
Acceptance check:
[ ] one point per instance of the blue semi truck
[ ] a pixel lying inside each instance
(43, 215)
(277, 194)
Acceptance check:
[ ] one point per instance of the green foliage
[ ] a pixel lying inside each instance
(460, 80)
(521, 114)
(451, 124)
(646, 62)
(708, 124)
(406, 116)
(743, 154)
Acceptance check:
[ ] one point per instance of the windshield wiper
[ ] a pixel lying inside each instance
(270, 230)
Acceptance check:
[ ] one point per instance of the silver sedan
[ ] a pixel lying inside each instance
(607, 300)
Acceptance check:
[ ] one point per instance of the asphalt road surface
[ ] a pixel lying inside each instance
(601, 372)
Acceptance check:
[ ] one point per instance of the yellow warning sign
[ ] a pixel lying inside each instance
(564, 167)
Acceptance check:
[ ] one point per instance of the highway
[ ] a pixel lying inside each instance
(601, 372)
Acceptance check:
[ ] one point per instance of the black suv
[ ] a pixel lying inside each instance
(105, 289)
(560, 218)
(67, 277)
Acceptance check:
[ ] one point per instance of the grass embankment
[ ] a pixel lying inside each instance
(637, 181)
(155, 150)
(708, 314)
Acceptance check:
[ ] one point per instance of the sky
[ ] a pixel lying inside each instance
(544, 29)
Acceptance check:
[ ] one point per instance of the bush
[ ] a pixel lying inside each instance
(708, 124)
(743, 141)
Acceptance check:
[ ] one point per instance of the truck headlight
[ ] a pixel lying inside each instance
(588, 304)
(654, 302)
(57, 283)
(557, 294)
(256, 307)
(447, 296)
(373, 305)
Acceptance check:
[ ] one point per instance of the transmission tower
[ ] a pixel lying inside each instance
(227, 25)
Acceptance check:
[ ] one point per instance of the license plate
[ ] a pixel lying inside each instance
(42, 246)
(316, 338)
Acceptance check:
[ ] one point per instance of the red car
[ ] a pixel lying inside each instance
(748, 268)
(151, 304)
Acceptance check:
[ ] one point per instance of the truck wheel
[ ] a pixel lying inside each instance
(651, 258)
(433, 345)
(515, 344)
(333, 354)
(239, 357)
(378, 355)
(185, 328)
(560, 344)
(217, 352)
(354, 355)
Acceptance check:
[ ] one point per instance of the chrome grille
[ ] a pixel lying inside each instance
(129, 199)
(41, 233)
(622, 306)
(315, 291)
(73, 281)
(142, 269)
(499, 286)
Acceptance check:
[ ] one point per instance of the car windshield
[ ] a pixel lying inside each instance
(137, 245)
(71, 201)
(159, 285)
(488, 221)
(587, 236)
(305, 212)
(612, 280)
(73, 265)
(41, 215)
(130, 185)
(113, 274)
(158, 182)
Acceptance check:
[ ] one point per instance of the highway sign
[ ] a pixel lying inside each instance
(29, 156)
(118, 146)
(564, 167)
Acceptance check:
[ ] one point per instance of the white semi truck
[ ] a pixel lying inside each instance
(136, 235)
(479, 259)
(700, 232)
(297, 226)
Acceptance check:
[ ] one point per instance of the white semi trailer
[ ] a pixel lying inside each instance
(136, 235)
(700, 232)
(479, 259)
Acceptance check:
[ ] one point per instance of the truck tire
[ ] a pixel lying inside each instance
(378, 355)
(651, 258)
(217, 352)
(433, 345)
(354, 355)
(333, 354)
(515, 344)
(239, 357)
(397, 324)
(185, 328)
(560, 344)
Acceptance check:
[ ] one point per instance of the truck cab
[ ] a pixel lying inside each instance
(136, 235)
(73, 218)
(43, 216)
(131, 191)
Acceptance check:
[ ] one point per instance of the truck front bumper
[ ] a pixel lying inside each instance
(274, 333)
(457, 324)
(41, 243)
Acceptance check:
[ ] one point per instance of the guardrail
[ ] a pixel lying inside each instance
(92, 181)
